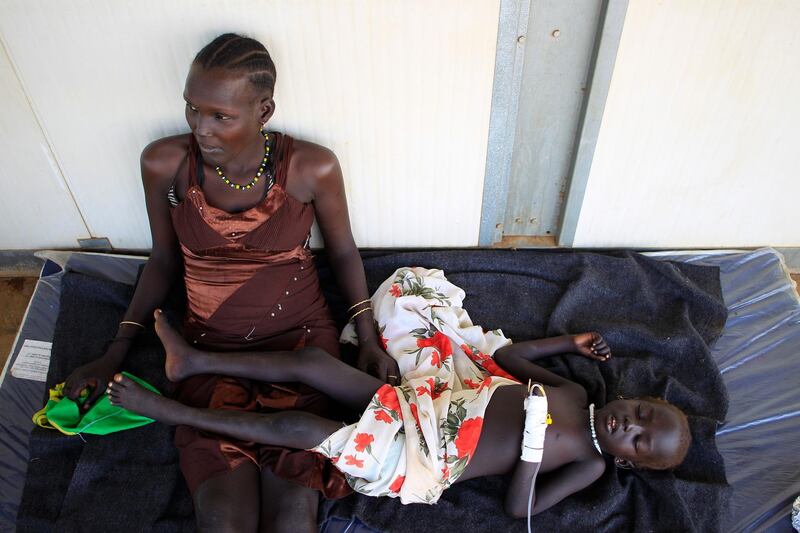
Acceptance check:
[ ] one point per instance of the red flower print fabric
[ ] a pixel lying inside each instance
(467, 436)
(397, 484)
(416, 439)
(383, 416)
(354, 461)
(387, 397)
(363, 440)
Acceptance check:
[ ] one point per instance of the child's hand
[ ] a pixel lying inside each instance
(592, 345)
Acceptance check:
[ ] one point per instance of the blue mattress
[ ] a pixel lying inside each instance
(758, 355)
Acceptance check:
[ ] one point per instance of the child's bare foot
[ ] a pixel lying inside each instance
(124, 392)
(180, 354)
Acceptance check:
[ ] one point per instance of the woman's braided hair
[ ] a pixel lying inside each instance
(237, 52)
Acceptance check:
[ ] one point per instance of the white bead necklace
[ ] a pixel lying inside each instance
(594, 431)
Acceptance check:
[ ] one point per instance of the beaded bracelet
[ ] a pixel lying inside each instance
(356, 305)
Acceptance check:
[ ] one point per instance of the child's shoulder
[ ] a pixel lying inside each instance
(595, 466)
(576, 392)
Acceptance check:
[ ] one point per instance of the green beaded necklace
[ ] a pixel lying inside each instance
(261, 168)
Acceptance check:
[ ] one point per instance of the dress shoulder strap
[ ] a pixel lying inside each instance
(285, 147)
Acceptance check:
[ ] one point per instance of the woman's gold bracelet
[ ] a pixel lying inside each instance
(132, 323)
(359, 312)
(356, 305)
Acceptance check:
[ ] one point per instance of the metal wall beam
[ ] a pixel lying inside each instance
(509, 61)
(602, 67)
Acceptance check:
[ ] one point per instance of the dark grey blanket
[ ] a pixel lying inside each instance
(659, 318)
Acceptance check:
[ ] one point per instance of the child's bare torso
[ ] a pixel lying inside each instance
(567, 439)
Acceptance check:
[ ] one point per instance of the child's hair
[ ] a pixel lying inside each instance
(684, 440)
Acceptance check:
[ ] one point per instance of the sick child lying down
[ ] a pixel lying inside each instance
(464, 408)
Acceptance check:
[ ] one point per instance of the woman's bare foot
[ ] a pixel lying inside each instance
(180, 355)
(124, 392)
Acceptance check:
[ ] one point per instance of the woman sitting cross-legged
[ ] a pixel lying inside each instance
(459, 412)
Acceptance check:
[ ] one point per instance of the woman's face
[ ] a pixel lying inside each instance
(638, 431)
(224, 112)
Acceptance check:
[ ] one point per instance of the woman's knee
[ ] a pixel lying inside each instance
(225, 520)
(230, 501)
(287, 506)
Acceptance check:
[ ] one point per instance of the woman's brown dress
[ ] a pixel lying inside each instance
(251, 284)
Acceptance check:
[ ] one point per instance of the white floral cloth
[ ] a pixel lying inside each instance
(415, 440)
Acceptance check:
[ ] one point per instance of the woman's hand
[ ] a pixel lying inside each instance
(373, 360)
(95, 375)
(592, 345)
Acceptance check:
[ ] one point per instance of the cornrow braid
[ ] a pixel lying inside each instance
(237, 52)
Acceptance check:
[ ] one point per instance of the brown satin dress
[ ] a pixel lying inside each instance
(251, 285)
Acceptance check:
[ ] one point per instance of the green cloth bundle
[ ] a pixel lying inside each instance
(65, 415)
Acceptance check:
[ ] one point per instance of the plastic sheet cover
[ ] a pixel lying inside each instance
(20, 398)
(758, 355)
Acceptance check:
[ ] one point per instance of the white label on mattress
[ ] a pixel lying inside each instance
(33, 360)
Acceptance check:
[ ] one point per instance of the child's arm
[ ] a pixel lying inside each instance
(551, 488)
(516, 504)
(517, 359)
(589, 344)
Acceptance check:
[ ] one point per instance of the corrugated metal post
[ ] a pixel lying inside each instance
(598, 83)
(509, 61)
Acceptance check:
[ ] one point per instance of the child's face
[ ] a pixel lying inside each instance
(638, 431)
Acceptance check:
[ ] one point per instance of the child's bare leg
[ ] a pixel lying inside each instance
(292, 429)
(312, 366)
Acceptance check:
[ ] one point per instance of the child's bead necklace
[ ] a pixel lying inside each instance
(594, 431)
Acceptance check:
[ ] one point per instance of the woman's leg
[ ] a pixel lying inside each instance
(229, 501)
(286, 506)
(312, 366)
(290, 429)
(240, 499)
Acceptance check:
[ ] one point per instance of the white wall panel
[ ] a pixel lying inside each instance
(36, 209)
(400, 90)
(699, 144)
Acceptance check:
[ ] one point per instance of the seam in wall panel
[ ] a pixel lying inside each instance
(50, 154)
